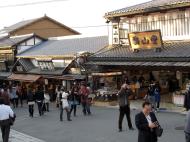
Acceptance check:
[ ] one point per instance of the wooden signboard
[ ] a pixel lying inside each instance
(147, 39)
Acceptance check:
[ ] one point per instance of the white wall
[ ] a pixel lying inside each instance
(174, 25)
(28, 44)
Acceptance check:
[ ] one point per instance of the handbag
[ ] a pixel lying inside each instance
(12, 119)
(159, 131)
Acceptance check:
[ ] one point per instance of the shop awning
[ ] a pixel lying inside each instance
(107, 74)
(24, 77)
(4, 75)
(67, 77)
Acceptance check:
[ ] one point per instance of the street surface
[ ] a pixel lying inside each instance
(100, 127)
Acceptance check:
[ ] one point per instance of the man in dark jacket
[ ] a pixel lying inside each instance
(124, 106)
(39, 95)
(146, 123)
(187, 100)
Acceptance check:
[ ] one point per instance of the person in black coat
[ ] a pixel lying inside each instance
(40, 99)
(146, 123)
(187, 100)
(31, 102)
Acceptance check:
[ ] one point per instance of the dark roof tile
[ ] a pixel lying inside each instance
(150, 6)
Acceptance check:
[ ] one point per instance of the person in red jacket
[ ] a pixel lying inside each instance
(84, 92)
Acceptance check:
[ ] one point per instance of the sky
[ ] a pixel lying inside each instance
(73, 13)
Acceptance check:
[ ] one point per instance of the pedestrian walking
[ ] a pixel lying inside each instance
(137, 89)
(4, 94)
(64, 105)
(124, 106)
(31, 102)
(6, 120)
(151, 95)
(187, 100)
(40, 99)
(146, 123)
(84, 93)
(13, 96)
(47, 100)
(157, 94)
(74, 100)
(58, 93)
(19, 94)
(187, 128)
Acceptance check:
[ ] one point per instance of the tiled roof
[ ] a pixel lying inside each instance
(18, 25)
(140, 63)
(11, 41)
(26, 63)
(170, 50)
(30, 21)
(29, 68)
(150, 6)
(66, 47)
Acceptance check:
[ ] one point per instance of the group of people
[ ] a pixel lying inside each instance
(69, 101)
(146, 121)
(13, 94)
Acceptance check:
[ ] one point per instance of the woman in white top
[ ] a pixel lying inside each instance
(64, 105)
(47, 100)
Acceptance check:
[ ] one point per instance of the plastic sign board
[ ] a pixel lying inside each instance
(147, 39)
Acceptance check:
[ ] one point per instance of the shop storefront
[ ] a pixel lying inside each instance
(166, 63)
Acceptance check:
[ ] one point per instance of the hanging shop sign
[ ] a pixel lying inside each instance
(147, 39)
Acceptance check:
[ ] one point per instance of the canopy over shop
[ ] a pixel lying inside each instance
(167, 64)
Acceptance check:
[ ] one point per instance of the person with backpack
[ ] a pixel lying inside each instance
(64, 104)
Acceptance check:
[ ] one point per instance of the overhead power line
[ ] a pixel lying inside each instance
(31, 3)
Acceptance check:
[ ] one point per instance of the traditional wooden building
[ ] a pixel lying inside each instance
(44, 26)
(149, 41)
(57, 61)
(10, 46)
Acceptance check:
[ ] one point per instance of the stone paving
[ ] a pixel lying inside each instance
(16, 136)
(100, 127)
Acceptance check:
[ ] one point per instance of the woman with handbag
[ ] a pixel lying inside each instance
(64, 105)
(147, 124)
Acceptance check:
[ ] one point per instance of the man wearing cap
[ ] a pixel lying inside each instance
(6, 115)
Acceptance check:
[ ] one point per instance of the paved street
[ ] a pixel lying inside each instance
(100, 127)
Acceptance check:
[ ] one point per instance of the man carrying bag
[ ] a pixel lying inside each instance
(7, 119)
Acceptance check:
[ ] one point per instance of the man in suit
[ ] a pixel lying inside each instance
(146, 123)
